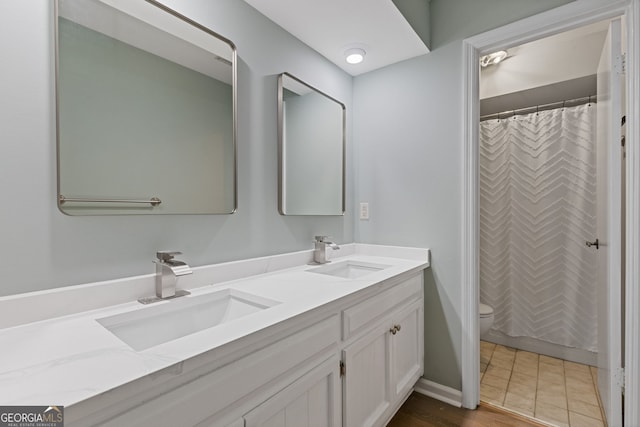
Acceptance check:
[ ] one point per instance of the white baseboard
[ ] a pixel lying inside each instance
(440, 392)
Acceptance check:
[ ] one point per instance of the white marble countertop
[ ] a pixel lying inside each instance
(67, 359)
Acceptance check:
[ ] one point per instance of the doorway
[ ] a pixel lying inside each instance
(552, 22)
(538, 205)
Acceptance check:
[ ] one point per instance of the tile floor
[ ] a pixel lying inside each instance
(555, 391)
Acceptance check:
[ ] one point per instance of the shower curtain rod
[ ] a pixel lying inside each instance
(553, 105)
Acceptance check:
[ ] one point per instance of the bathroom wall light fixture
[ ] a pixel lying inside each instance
(493, 58)
(354, 55)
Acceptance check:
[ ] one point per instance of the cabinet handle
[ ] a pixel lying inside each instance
(398, 327)
(393, 330)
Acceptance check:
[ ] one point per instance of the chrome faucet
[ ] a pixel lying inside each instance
(320, 251)
(167, 272)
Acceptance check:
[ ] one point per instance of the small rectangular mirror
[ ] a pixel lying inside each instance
(146, 102)
(311, 145)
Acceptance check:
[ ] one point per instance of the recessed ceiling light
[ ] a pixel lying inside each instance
(493, 58)
(354, 55)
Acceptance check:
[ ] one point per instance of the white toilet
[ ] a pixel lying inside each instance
(486, 318)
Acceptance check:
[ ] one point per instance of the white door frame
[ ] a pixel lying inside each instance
(567, 17)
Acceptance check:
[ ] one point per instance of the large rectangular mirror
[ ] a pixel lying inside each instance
(311, 145)
(146, 103)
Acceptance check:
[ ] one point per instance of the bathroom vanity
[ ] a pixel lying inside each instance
(261, 342)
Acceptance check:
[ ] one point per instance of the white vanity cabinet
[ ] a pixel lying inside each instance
(384, 357)
(296, 362)
(350, 363)
(381, 358)
(363, 384)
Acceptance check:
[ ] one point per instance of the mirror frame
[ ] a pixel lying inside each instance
(234, 82)
(281, 208)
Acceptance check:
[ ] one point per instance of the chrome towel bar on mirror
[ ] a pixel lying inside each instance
(154, 201)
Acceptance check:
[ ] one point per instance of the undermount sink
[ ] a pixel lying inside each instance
(151, 326)
(349, 269)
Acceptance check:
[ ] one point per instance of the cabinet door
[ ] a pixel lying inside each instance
(366, 382)
(407, 349)
(311, 401)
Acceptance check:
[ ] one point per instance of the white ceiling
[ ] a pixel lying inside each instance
(332, 26)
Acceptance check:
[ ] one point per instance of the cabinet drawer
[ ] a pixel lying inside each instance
(358, 317)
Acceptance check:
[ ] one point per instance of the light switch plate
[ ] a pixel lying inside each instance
(364, 210)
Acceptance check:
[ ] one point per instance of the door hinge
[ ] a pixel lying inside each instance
(343, 369)
(619, 377)
(620, 64)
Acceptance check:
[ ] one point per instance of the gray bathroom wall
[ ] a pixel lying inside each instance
(453, 20)
(43, 248)
(408, 162)
(418, 15)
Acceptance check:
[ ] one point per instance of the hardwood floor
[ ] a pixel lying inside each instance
(423, 411)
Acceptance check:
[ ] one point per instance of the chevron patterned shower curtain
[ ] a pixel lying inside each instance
(537, 209)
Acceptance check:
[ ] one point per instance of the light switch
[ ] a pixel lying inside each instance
(364, 210)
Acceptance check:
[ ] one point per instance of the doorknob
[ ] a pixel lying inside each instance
(596, 244)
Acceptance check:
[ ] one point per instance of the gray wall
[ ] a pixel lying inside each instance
(454, 20)
(42, 248)
(418, 15)
(408, 162)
